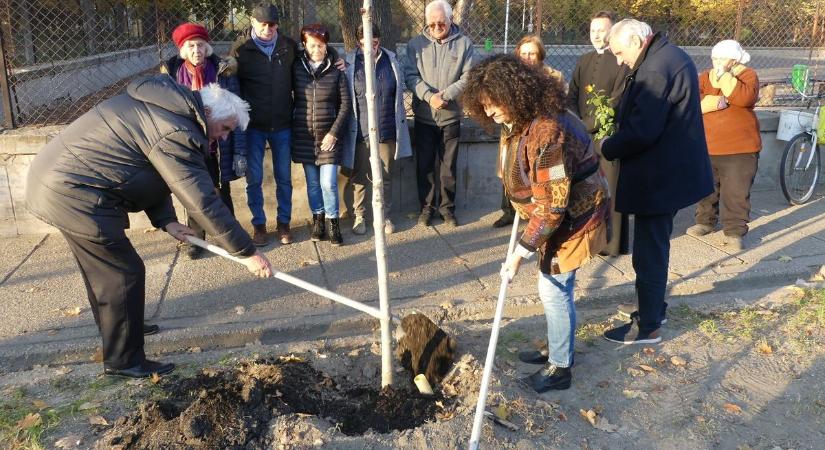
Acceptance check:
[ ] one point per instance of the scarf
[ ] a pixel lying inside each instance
(196, 77)
(265, 46)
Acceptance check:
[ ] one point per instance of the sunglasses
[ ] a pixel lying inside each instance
(433, 26)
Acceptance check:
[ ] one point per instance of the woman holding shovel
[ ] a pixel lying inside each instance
(551, 176)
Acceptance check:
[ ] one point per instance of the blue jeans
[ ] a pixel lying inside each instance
(556, 293)
(280, 142)
(322, 189)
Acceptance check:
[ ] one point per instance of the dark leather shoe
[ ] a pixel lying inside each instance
(533, 356)
(149, 330)
(504, 220)
(142, 370)
(550, 377)
(449, 219)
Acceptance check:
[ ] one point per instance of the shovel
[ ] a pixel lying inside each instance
(423, 347)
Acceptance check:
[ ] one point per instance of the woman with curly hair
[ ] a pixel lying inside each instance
(551, 175)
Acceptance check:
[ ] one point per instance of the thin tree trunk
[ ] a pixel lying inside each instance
(461, 14)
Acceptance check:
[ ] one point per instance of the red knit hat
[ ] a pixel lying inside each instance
(187, 31)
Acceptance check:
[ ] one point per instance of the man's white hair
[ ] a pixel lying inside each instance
(625, 29)
(184, 53)
(439, 4)
(221, 104)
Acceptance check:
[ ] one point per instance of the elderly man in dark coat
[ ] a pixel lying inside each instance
(127, 155)
(664, 164)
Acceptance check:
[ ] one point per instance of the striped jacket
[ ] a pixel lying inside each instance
(551, 176)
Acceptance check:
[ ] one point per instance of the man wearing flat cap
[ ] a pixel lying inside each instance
(265, 59)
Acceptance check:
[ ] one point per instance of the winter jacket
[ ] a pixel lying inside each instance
(266, 83)
(126, 155)
(385, 89)
(322, 105)
(734, 129)
(403, 147)
(431, 67)
(235, 144)
(551, 176)
(660, 140)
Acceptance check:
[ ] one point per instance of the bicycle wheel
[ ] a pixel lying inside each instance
(799, 170)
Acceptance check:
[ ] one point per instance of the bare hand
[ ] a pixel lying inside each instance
(340, 64)
(437, 102)
(179, 231)
(328, 143)
(258, 264)
(510, 268)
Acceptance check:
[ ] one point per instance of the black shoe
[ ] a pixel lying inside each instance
(194, 252)
(628, 311)
(550, 377)
(533, 356)
(503, 221)
(149, 330)
(425, 218)
(142, 370)
(449, 219)
(334, 232)
(630, 333)
(318, 231)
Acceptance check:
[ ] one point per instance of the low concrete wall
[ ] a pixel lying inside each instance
(478, 187)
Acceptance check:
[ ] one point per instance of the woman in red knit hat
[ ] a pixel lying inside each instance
(196, 66)
(729, 92)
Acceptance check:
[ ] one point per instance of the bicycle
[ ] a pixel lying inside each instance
(801, 161)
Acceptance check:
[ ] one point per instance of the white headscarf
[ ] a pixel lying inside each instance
(730, 49)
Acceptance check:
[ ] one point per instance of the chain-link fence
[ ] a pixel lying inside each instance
(60, 57)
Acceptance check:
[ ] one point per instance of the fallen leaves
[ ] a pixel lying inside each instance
(97, 356)
(647, 368)
(598, 422)
(291, 358)
(70, 441)
(732, 408)
(30, 421)
(629, 393)
(678, 361)
(40, 404)
(660, 359)
(240, 310)
(70, 312)
(648, 350)
(155, 378)
(785, 258)
(502, 412)
(98, 420)
(764, 348)
(62, 370)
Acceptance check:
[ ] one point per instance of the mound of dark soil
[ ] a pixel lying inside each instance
(232, 409)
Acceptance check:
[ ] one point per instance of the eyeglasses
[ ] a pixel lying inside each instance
(433, 26)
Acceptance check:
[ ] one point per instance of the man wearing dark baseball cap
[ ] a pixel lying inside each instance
(265, 60)
(265, 12)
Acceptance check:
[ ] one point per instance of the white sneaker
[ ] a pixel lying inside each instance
(359, 226)
(389, 228)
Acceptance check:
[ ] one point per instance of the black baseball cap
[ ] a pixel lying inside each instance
(265, 12)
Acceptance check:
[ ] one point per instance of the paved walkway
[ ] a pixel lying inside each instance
(213, 302)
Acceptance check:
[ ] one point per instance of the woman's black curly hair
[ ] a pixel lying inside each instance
(523, 92)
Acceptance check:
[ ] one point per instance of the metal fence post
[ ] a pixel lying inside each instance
(8, 113)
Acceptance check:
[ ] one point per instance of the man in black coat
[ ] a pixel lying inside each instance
(664, 164)
(125, 155)
(597, 72)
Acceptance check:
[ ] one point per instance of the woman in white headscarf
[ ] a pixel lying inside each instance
(729, 92)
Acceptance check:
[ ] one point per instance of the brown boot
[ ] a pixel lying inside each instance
(283, 233)
(259, 236)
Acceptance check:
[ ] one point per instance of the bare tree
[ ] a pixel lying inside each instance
(461, 13)
(350, 13)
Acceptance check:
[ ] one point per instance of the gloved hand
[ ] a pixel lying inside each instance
(239, 165)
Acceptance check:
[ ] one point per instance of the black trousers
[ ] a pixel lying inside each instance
(732, 177)
(651, 258)
(436, 149)
(115, 280)
(506, 206)
(224, 190)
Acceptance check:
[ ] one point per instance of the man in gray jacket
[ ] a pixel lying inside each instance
(128, 154)
(435, 69)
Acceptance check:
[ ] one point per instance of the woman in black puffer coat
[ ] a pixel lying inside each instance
(322, 109)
